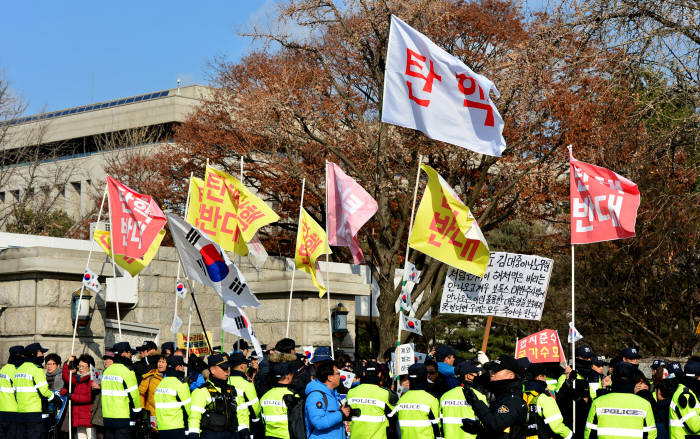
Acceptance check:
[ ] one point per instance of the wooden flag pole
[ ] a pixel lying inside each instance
(487, 331)
(405, 262)
(80, 300)
(294, 270)
(328, 281)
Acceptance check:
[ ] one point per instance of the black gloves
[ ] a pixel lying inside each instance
(244, 434)
(471, 426)
(469, 395)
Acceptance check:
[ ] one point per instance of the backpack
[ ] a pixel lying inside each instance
(536, 428)
(296, 419)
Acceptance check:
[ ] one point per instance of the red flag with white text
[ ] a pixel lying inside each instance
(135, 220)
(603, 203)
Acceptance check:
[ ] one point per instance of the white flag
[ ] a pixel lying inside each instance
(180, 289)
(410, 273)
(90, 281)
(177, 323)
(237, 323)
(574, 335)
(403, 302)
(427, 89)
(420, 357)
(410, 324)
(204, 261)
(257, 255)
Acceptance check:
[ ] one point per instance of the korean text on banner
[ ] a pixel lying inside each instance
(311, 244)
(237, 323)
(211, 216)
(349, 208)
(541, 347)
(446, 230)
(514, 286)
(197, 343)
(205, 262)
(132, 265)
(246, 211)
(135, 220)
(405, 358)
(427, 89)
(603, 203)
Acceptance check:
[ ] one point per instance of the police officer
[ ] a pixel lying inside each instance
(121, 402)
(8, 403)
(544, 418)
(684, 416)
(454, 408)
(215, 413)
(32, 394)
(621, 413)
(418, 411)
(245, 388)
(371, 404)
(595, 377)
(172, 401)
(505, 417)
(276, 402)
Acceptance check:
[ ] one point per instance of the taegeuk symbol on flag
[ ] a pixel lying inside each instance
(410, 324)
(90, 281)
(237, 323)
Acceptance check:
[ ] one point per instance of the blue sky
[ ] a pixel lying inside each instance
(52, 49)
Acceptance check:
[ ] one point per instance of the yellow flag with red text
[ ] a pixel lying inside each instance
(211, 214)
(312, 242)
(132, 265)
(446, 230)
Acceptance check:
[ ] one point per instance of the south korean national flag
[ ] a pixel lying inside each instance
(410, 324)
(237, 323)
(204, 261)
(90, 281)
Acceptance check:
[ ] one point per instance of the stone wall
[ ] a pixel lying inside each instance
(36, 285)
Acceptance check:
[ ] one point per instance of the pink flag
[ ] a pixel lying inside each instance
(349, 208)
(135, 220)
(603, 204)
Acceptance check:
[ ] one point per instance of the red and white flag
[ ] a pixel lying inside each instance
(603, 203)
(135, 220)
(349, 208)
(427, 89)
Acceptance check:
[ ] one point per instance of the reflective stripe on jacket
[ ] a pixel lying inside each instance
(8, 403)
(170, 398)
(419, 415)
(619, 416)
(30, 387)
(373, 402)
(683, 414)
(274, 412)
(119, 391)
(453, 408)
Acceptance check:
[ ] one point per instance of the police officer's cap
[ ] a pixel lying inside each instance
(630, 353)
(417, 371)
(372, 368)
(241, 345)
(167, 346)
(108, 355)
(535, 370)
(674, 370)
(147, 346)
(122, 346)
(444, 351)
(280, 370)
(657, 364)
(175, 361)
(692, 367)
(504, 362)
(31, 349)
(584, 352)
(218, 360)
(597, 360)
(524, 362)
(237, 358)
(466, 367)
(17, 350)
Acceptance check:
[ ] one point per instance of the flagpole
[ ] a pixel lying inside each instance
(201, 322)
(405, 261)
(80, 300)
(328, 281)
(291, 287)
(573, 339)
(179, 264)
(189, 325)
(114, 276)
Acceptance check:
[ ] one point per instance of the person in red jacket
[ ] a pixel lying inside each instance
(82, 396)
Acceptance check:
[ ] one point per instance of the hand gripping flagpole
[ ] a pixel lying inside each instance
(75, 324)
(328, 281)
(405, 262)
(294, 266)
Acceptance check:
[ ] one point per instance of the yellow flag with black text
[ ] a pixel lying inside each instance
(311, 244)
(132, 265)
(446, 230)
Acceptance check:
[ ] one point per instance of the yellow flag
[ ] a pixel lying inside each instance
(311, 243)
(211, 214)
(133, 266)
(446, 230)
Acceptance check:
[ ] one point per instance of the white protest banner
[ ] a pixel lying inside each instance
(514, 286)
(406, 358)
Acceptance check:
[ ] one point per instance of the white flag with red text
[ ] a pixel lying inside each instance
(349, 208)
(603, 203)
(427, 89)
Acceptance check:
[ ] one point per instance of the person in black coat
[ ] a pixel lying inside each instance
(505, 417)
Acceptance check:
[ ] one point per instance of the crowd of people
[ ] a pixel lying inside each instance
(285, 395)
